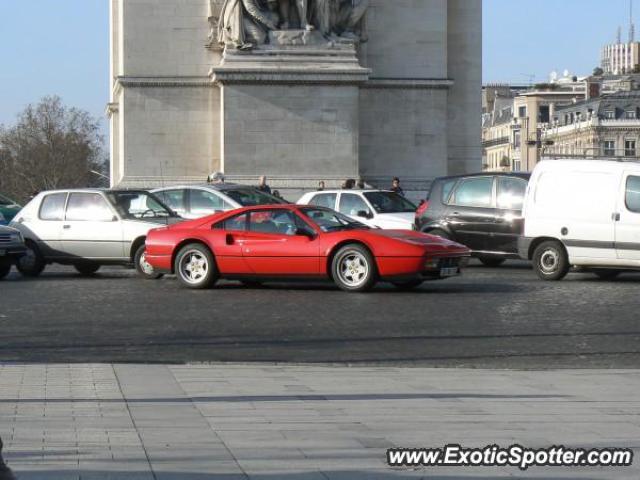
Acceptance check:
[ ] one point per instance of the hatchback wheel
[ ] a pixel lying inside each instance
(32, 263)
(354, 269)
(5, 267)
(87, 269)
(195, 267)
(550, 261)
(144, 268)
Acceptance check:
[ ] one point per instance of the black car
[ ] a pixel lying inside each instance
(481, 211)
(12, 247)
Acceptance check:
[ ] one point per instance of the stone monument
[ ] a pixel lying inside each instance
(299, 90)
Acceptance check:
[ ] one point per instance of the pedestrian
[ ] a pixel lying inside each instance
(5, 471)
(395, 186)
(321, 186)
(262, 186)
(361, 185)
(216, 178)
(349, 184)
(276, 193)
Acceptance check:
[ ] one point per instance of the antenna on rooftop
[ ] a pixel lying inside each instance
(632, 27)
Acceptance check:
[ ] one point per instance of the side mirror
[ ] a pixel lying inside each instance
(114, 218)
(364, 214)
(306, 232)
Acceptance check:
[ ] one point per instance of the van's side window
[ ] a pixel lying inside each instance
(632, 196)
(474, 192)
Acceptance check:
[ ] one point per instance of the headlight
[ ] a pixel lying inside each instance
(16, 237)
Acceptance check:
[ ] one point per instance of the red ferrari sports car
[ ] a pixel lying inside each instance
(293, 241)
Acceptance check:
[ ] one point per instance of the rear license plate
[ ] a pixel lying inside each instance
(449, 272)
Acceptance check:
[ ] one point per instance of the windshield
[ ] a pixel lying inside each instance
(389, 202)
(139, 205)
(5, 201)
(249, 197)
(330, 221)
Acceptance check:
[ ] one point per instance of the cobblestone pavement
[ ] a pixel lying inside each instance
(495, 318)
(263, 422)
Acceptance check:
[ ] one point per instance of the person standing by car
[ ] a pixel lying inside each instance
(216, 178)
(321, 186)
(395, 186)
(262, 186)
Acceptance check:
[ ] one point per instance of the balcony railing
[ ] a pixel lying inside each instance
(495, 142)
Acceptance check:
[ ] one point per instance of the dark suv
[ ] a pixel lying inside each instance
(482, 211)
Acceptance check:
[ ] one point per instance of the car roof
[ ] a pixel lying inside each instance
(524, 175)
(350, 190)
(221, 187)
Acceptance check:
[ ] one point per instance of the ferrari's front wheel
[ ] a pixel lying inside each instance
(195, 267)
(354, 269)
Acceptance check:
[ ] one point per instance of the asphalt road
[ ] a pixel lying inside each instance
(503, 318)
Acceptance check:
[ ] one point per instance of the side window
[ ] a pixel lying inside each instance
(351, 204)
(204, 202)
(233, 224)
(511, 192)
(277, 222)
(52, 207)
(446, 190)
(327, 200)
(88, 207)
(474, 192)
(174, 199)
(632, 194)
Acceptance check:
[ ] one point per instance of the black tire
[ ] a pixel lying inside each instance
(87, 269)
(492, 262)
(439, 233)
(32, 264)
(408, 284)
(550, 261)
(196, 256)
(607, 274)
(145, 270)
(354, 262)
(5, 267)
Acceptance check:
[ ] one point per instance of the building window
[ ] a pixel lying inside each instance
(610, 115)
(629, 148)
(522, 112)
(609, 148)
(630, 114)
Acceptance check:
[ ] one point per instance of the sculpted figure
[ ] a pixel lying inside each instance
(244, 24)
(342, 18)
(286, 11)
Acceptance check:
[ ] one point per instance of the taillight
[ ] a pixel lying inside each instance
(423, 207)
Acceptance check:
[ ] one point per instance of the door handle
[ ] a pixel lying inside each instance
(615, 217)
(66, 227)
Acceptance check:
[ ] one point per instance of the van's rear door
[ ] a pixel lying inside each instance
(627, 218)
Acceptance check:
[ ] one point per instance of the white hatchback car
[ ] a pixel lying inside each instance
(375, 208)
(196, 201)
(89, 228)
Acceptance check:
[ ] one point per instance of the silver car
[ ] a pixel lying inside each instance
(196, 201)
(88, 228)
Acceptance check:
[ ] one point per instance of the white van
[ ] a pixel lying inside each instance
(582, 213)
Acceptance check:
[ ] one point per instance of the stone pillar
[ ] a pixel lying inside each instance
(290, 111)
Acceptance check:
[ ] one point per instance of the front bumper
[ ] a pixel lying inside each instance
(398, 268)
(12, 251)
(524, 244)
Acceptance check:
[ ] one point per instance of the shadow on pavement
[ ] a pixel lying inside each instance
(290, 398)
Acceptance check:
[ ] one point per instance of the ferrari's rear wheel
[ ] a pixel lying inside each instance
(354, 269)
(195, 267)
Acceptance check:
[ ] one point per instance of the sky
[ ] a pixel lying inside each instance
(62, 46)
